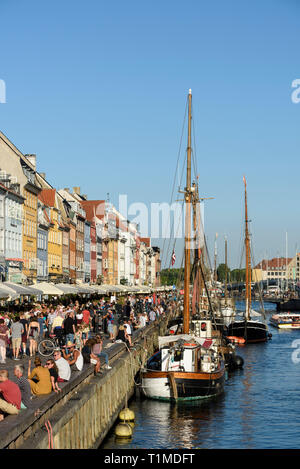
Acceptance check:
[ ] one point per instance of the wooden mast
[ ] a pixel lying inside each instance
(225, 292)
(248, 259)
(187, 250)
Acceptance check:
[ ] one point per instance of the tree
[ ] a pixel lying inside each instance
(221, 272)
(171, 276)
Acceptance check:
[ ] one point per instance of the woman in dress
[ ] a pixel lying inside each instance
(33, 335)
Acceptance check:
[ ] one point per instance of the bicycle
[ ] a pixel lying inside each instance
(47, 345)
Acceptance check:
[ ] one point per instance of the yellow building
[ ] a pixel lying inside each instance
(30, 191)
(55, 245)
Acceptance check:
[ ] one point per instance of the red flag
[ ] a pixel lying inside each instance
(173, 259)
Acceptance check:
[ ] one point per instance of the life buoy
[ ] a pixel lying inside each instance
(187, 344)
(236, 340)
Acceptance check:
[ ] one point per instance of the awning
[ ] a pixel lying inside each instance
(8, 293)
(67, 288)
(23, 289)
(49, 289)
(101, 289)
(112, 288)
(4, 294)
(164, 340)
(82, 290)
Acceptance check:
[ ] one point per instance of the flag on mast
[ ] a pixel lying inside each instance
(173, 258)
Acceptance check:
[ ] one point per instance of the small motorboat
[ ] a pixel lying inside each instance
(286, 320)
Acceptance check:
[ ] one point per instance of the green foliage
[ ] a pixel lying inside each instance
(171, 276)
(221, 272)
(237, 276)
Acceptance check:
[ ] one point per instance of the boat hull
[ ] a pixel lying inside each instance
(182, 386)
(251, 331)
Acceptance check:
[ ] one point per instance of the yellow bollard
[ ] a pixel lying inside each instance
(126, 415)
(123, 430)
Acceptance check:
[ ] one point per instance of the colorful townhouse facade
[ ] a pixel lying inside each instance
(59, 235)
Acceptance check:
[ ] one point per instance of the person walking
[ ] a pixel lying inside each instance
(110, 324)
(16, 331)
(69, 327)
(25, 323)
(32, 335)
(4, 331)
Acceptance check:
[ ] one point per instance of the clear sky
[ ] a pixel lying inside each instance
(97, 90)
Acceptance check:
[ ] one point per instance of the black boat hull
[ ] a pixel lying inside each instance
(251, 331)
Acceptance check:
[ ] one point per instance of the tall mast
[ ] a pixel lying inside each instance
(187, 251)
(225, 292)
(248, 259)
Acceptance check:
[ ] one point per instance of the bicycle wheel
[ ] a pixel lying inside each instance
(46, 347)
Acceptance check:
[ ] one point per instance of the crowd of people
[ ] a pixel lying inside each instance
(79, 329)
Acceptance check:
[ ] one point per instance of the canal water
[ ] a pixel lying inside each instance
(260, 408)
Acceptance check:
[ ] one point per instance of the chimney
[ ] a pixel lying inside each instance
(31, 159)
(67, 189)
(43, 175)
(76, 190)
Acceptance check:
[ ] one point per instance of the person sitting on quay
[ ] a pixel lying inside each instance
(123, 336)
(53, 370)
(16, 331)
(73, 356)
(110, 324)
(39, 378)
(64, 369)
(90, 357)
(97, 350)
(24, 386)
(10, 403)
(127, 326)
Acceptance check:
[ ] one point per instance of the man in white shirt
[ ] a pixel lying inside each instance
(152, 315)
(73, 356)
(142, 320)
(64, 370)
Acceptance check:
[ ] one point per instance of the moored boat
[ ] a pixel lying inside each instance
(189, 365)
(286, 320)
(252, 330)
(186, 367)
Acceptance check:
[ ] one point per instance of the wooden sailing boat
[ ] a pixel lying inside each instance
(251, 330)
(188, 365)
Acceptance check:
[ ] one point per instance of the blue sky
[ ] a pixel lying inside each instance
(98, 90)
